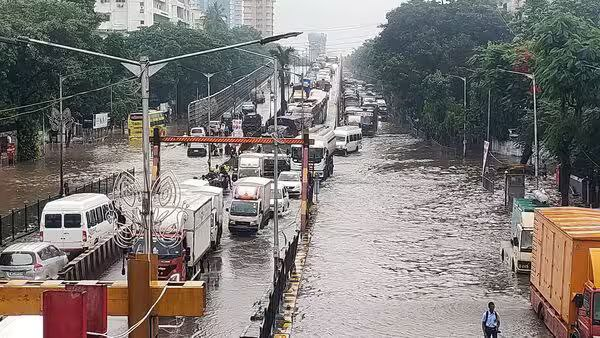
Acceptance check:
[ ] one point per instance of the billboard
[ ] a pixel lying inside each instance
(100, 121)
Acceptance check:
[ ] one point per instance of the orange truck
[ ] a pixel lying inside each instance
(565, 268)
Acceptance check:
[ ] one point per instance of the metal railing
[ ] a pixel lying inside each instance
(225, 99)
(25, 221)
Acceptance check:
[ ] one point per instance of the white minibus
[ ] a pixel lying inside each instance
(348, 139)
(77, 222)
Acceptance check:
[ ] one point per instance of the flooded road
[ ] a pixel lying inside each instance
(406, 244)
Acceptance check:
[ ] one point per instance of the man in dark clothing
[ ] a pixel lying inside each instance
(490, 322)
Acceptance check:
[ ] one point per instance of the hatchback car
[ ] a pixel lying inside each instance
(32, 260)
(292, 181)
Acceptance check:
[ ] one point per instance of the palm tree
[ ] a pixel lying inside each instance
(214, 20)
(283, 56)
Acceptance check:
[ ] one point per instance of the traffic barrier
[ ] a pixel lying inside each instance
(92, 263)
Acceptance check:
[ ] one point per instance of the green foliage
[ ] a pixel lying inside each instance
(30, 74)
(421, 38)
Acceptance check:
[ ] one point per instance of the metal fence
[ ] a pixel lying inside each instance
(266, 316)
(227, 98)
(24, 221)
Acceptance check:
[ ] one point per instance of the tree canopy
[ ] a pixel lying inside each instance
(30, 73)
(424, 43)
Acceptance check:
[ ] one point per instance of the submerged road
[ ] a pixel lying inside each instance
(406, 244)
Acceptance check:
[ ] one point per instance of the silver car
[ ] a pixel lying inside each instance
(33, 260)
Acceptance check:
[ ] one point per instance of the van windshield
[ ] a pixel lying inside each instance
(53, 221)
(340, 138)
(16, 258)
(243, 208)
(72, 221)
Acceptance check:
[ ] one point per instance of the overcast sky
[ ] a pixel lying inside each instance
(347, 23)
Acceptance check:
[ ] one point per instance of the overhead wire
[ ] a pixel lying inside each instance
(53, 101)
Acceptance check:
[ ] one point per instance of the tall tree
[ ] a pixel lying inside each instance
(564, 45)
(284, 57)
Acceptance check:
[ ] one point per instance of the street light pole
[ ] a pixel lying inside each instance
(535, 133)
(464, 79)
(276, 257)
(208, 105)
(531, 76)
(61, 131)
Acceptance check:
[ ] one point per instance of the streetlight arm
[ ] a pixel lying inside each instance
(242, 44)
(278, 37)
(528, 75)
(27, 40)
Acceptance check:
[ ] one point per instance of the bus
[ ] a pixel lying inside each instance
(157, 119)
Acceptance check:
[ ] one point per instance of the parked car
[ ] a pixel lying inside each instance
(292, 181)
(283, 199)
(32, 260)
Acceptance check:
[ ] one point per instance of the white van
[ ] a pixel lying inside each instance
(348, 139)
(76, 222)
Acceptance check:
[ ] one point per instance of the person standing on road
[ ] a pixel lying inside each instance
(490, 322)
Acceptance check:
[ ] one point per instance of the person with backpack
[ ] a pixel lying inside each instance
(490, 323)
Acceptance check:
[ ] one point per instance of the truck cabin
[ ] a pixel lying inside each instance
(172, 255)
(249, 166)
(523, 240)
(588, 311)
(244, 208)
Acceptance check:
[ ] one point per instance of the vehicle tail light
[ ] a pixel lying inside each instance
(41, 236)
(37, 266)
(84, 236)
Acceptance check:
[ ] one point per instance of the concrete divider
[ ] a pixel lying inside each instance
(92, 263)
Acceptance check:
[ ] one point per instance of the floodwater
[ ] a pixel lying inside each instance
(406, 243)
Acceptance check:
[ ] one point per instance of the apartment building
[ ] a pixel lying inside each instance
(511, 5)
(253, 13)
(131, 15)
(317, 45)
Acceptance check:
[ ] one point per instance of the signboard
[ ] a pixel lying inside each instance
(486, 148)
(100, 121)
(236, 125)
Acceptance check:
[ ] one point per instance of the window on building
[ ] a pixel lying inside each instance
(104, 1)
(120, 1)
(141, 22)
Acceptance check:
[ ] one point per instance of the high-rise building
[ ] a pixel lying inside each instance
(130, 15)
(511, 5)
(258, 14)
(236, 13)
(317, 45)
